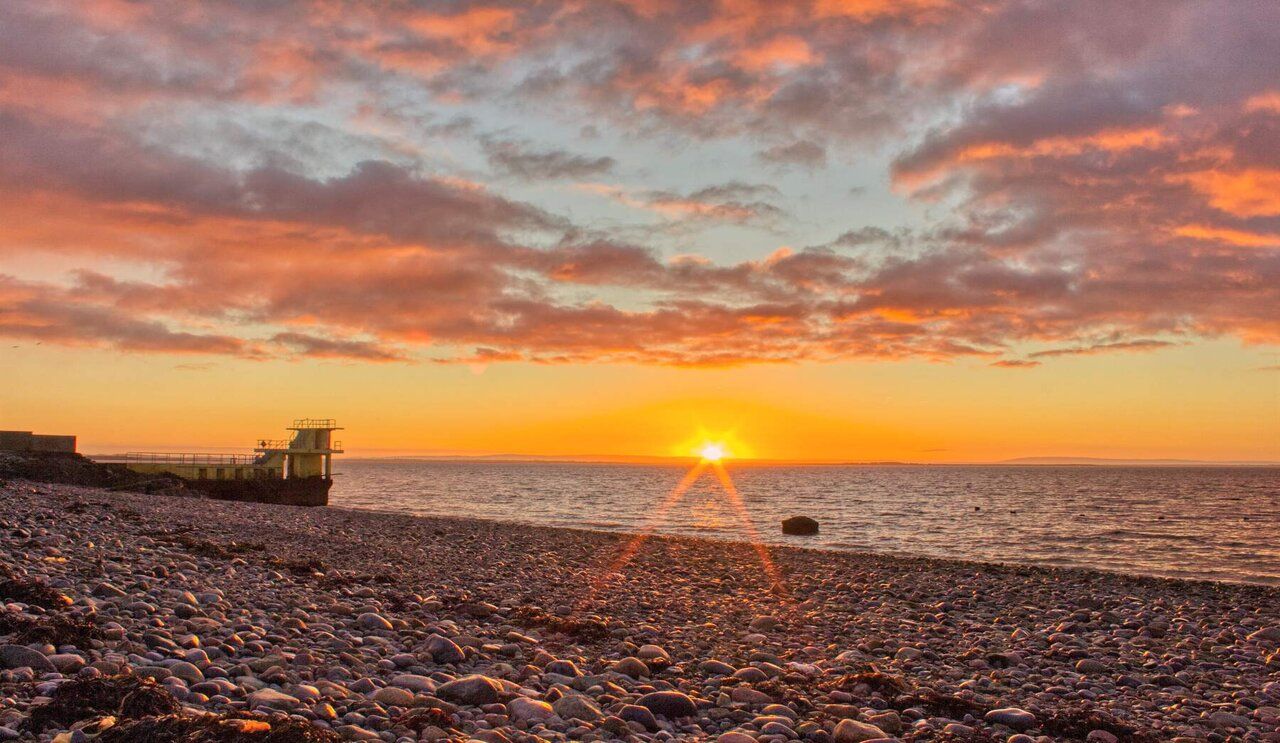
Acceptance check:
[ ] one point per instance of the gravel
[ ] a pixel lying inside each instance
(371, 626)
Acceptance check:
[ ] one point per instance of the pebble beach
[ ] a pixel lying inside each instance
(241, 621)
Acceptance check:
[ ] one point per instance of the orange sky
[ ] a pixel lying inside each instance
(1207, 402)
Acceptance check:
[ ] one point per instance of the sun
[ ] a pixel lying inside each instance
(712, 452)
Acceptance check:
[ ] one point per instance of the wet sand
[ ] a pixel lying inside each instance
(398, 628)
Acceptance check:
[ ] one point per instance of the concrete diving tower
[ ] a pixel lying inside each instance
(308, 454)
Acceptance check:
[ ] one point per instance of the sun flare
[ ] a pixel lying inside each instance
(712, 452)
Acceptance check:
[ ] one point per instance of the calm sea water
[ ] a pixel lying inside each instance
(1220, 523)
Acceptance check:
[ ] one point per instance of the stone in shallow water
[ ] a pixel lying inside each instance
(800, 526)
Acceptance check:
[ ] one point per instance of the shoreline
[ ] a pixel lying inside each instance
(372, 625)
(828, 549)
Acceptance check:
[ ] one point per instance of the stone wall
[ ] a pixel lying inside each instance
(28, 441)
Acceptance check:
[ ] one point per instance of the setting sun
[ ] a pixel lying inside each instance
(712, 452)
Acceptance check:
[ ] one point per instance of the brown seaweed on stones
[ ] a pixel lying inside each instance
(583, 629)
(944, 705)
(875, 679)
(1079, 720)
(55, 629)
(31, 593)
(216, 729)
(217, 550)
(123, 696)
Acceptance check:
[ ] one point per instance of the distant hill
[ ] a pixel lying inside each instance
(1102, 461)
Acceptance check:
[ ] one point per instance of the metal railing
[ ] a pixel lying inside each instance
(314, 423)
(178, 458)
(285, 445)
(264, 444)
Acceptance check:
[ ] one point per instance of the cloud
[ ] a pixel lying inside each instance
(516, 160)
(329, 348)
(1144, 344)
(298, 180)
(1015, 364)
(802, 153)
(734, 202)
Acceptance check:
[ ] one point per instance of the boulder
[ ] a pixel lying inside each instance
(474, 690)
(393, 696)
(17, 656)
(802, 526)
(444, 650)
(1018, 719)
(669, 704)
(577, 707)
(852, 731)
(524, 709)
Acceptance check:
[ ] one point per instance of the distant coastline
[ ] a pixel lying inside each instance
(686, 461)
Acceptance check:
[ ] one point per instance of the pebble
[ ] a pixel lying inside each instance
(445, 629)
(1018, 719)
(852, 731)
(474, 690)
(17, 656)
(669, 704)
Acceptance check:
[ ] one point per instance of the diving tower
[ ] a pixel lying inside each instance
(309, 453)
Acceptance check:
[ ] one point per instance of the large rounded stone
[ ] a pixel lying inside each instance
(474, 690)
(633, 667)
(17, 656)
(800, 526)
(575, 707)
(1018, 719)
(393, 696)
(372, 621)
(852, 731)
(273, 699)
(444, 650)
(524, 709)
(669, 704)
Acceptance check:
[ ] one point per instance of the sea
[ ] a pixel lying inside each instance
(1214, 523)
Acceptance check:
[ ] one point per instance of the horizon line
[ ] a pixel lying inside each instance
(1038, 460)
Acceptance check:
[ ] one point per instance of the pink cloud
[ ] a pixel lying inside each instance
(1112, 168)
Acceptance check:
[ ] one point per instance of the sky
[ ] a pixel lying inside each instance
(827, 230)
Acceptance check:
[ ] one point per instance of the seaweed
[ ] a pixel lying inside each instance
(874, 678)
(57, 629)
(217, 550)
(582, 629)
(417, 719)
(123, 696)
(216, 729)
(1078, 721)
(945, 705)
(31, 593)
